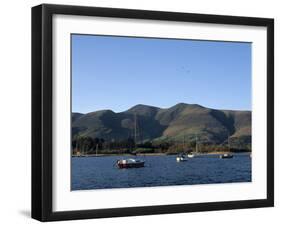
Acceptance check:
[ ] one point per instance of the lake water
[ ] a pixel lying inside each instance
(101, 172)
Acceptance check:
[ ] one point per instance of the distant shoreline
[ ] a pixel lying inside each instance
(158, 154)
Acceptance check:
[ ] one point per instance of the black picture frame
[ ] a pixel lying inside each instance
(42, 111)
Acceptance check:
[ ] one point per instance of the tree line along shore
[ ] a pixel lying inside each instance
(86, 145)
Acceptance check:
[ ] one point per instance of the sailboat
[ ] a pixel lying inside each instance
(192, 155)
(97, 147)
(227, 155)
(182, 157)
(76, 152)
(131, 162)
(80, 153)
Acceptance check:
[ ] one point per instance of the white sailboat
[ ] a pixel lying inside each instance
(227, 155)
(192, 155)
(97, 147)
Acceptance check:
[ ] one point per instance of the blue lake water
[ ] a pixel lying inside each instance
(101, 172)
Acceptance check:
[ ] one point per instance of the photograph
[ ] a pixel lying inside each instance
(150, 111)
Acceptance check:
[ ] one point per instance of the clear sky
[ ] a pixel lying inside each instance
(119, 72)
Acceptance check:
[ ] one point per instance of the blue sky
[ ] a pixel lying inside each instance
(119, 72)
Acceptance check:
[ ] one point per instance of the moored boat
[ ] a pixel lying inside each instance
(193, 154)
(129, 163)
(190, 155)
(181, 158)
(226, 156)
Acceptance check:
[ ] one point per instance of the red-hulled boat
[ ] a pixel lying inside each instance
(129, 163)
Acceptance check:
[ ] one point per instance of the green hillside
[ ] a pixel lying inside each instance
(180, 122)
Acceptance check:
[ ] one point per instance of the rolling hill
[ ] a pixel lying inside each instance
(182, 121)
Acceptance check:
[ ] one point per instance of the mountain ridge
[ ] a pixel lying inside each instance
(180, 121)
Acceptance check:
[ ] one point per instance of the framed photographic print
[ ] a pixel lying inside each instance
(145, 112)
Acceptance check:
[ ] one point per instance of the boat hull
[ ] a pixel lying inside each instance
(181, 159)
(130, 165)
(226, 157)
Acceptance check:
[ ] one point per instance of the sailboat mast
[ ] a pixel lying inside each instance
(196, 144)
(228, 143)
(76, 146)
(135, 130)
(183, 142)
